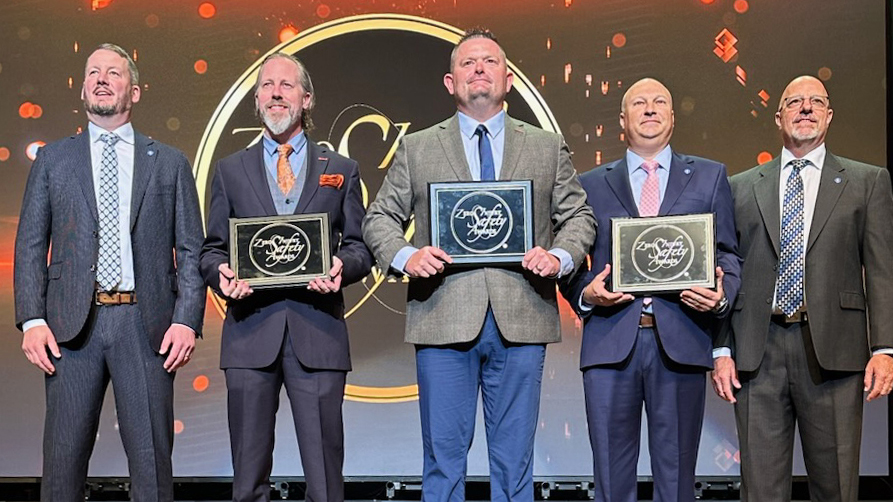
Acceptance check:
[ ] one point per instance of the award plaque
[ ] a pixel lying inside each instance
(663, 253)
(278, 251)
(481, 223)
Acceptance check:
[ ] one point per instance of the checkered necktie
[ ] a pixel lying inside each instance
(649, 200)
(108, 272)
(488, 167)
(789, 287)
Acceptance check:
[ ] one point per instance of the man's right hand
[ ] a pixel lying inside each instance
(229, 286)
(35, 343)
(597, 294)
(426, 262)
(725, 378)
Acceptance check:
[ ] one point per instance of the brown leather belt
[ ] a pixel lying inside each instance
(646, 320)
(115, 298)
(796, 318)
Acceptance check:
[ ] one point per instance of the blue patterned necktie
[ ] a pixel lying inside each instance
(488, 168)
(108, 271)
(789, 287)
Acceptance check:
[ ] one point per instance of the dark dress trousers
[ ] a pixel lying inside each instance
(663, 367)
(117, 343)
(290, 336)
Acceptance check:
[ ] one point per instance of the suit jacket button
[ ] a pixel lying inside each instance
(92, 268)
(95, 233)
(769, 301)
(775, 268)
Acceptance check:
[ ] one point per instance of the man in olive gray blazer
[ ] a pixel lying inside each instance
(812, 326)
(121, 299)
(480, 328)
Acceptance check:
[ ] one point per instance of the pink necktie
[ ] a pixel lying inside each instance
(649, 201)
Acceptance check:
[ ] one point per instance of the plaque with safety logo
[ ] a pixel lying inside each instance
(480, 223)
(279, 251)
(663, 253)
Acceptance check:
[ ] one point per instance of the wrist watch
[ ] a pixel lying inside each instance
(721, 306)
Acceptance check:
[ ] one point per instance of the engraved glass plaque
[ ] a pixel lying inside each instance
(278, 251)
(482, 223)
(663, 253)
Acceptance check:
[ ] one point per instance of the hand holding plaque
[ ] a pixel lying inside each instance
(279, 251)
(663, 253)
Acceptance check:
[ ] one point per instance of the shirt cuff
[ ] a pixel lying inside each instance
(887, 351)
(32, 324)
(722, 352)
(402, 257)
(567, 263)
(585, 307)
(185, 326)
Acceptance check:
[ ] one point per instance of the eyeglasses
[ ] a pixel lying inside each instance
(795, 102)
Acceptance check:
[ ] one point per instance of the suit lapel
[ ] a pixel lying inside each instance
(618, 179)
(681, 168)
(317, 160)
(765, 190)
(515, 134)
(451, 140)
(256, 173)
(144, 154)
(833, 181)
(82, 166)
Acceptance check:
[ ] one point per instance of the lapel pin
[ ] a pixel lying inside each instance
(150, 153)
(687, 171)
(837, 179)
(323, 159)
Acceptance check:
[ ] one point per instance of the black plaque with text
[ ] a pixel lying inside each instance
(279, 251)
(481, 223)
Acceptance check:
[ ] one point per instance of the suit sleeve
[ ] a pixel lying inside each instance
(572, 219)
(32, 245)
(727, 255)
(353, 252)
(877, 243)
(216, 247)
(190, 306)
(391, 210)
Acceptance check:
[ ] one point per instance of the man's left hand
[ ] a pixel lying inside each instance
(178, 344)
(330, 283)
(878, 376)
(541, 262)
(703, 299)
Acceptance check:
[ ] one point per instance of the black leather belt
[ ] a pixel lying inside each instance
(646, 320)
(795, 318)
(115, 298)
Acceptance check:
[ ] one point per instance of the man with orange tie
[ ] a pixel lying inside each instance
(291, 336)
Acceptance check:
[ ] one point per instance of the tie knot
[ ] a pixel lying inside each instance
(798, 164)
(481, 130)
(284, 150)
(650, 166)
(109, 138)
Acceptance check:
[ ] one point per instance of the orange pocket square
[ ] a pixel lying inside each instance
(331, 180)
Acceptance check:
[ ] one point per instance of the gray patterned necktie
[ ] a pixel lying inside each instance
(789, 286)
(108, 271)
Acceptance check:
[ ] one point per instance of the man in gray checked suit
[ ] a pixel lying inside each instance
(121, 299)
(812, 326)
(480, 328)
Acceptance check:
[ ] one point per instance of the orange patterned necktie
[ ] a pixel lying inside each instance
(285, 178)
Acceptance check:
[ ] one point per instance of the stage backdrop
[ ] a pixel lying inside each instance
(378, 69)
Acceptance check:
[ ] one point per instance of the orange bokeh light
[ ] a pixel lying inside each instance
(740, 6)
(287, 33)
(201, 383)
(100, 4)
(4, 154)
(26, 110)
(200, 66)
(178, 426)
(207, 10)
(706, 1)
(764, 157)
(36, 112)
(323, 10)
(619, 40)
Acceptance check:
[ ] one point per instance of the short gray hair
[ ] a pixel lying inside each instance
(472, 33)
(306, 84)
(131, 65)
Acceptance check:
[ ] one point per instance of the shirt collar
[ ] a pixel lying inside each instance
(125, 132)
(816, 157)
(494, 124)
(634, 161)
(297, 142)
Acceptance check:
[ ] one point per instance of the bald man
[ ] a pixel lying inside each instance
(814, 328)
(650, 350)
